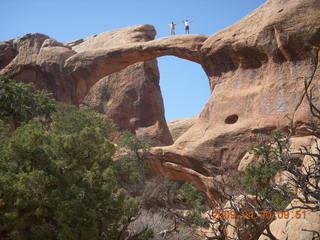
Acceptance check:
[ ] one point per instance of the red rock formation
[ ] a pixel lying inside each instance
(180, 126)
(39, 59)
(70, 70)
(257, 74)
(257, 69)
(131, 97)
(88, 67)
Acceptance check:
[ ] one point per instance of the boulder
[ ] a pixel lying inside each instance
(300, 225)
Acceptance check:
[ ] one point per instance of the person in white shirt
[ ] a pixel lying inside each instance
(172, 28)
(186, 25)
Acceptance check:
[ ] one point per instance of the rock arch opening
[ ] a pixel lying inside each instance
(184, 86)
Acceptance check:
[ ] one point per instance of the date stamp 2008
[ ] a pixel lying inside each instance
(263, 214)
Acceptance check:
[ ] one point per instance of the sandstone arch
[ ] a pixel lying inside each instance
(89, 66)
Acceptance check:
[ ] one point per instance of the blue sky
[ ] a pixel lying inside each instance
(184, 85)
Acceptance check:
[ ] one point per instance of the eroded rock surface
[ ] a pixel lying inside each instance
(39, 59)
(180, 126)
(301, 225)
(132, 99)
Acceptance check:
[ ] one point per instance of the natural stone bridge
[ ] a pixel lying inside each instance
(90, 66)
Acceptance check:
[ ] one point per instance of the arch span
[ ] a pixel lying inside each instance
(86, 68)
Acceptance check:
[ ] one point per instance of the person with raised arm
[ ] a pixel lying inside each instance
(172, 28)
(187, 25)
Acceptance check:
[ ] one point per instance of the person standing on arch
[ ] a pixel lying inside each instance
(172, 28)
(186, 25)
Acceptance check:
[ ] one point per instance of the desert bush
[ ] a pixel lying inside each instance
(58, 181)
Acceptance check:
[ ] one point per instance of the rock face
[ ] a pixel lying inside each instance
(132, 99)
(39, 59)
(180, 126)
(303, 228)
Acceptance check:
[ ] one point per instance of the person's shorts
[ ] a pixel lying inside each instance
(187, 28)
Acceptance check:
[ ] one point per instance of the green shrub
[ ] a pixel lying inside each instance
(258, 178)
(58, 181)
(68, 119)
(19, 104)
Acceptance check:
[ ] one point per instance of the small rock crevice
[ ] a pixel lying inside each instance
(307, 86)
